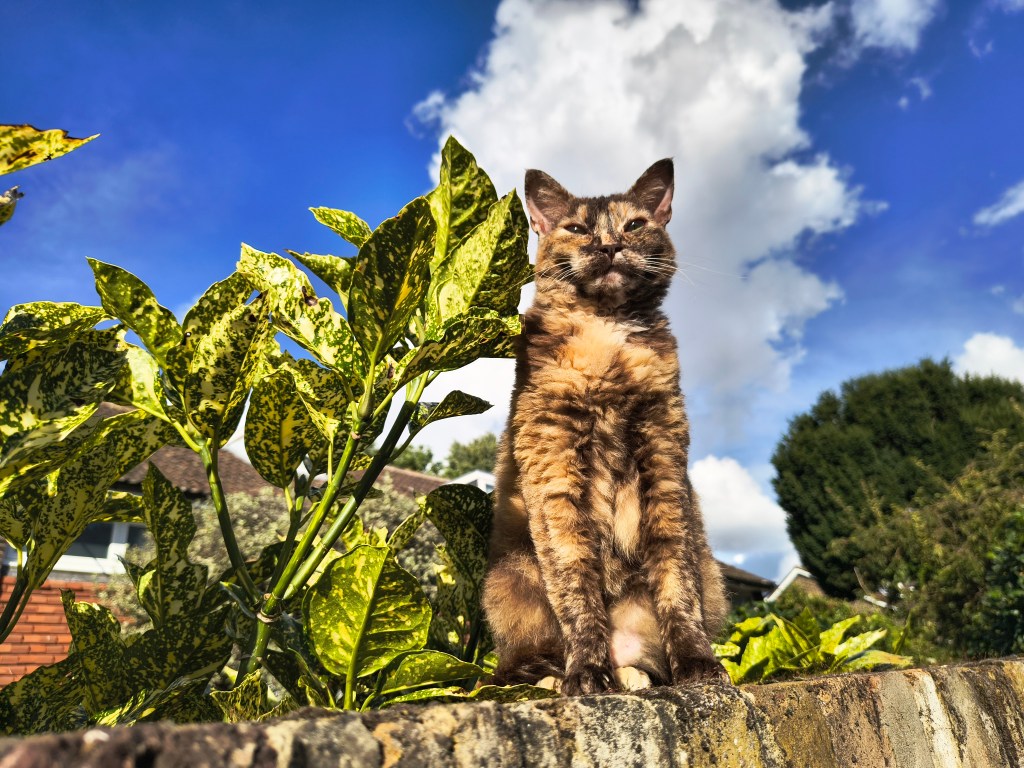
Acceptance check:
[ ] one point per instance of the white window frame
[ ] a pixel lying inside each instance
(105, 566)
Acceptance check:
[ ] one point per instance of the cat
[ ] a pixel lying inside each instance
(600, 576)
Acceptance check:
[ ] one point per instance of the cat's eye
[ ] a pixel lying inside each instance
(634, 224)
(576, 229)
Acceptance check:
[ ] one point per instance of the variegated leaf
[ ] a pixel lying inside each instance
(462, 513)
(309, 320)
(278, 430)
(391, 277)
(222, 370)
(480, 333)
(333, 270)
(129, 299)
(48, 699)
(461, 199)
(193, 646)
(23, 145)
(43, 392)
(139, 384)
(405, 531)
(247, 701)
(171, 584)
(40, 323)
(8, 202)
(364, 611)
(345, 223)
(99, 653)
(418, 669)
(500, 693)
(486, 270)
(76, 496)
(455, 403)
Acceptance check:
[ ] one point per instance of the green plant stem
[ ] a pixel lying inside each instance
(380, 460)
(13, 609)
(283, 576)
(209, 459)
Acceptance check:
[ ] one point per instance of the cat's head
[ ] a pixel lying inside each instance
(613, 250)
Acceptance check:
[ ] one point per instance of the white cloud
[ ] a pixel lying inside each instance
(904, 102)
(924, 88)
(1011, 6)
(1018, 305)
(715, 85)
(989, 354)
(739, 515)
(1008, 206)
(893, 24)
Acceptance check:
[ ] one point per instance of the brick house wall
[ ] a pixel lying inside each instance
(41, 636)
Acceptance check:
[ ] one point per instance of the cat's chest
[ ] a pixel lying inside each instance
(602, 354)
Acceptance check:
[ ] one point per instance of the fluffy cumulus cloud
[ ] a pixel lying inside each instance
(1008, 206)
(990, 354)
(594, 92)
(891, 24)
(740, 516)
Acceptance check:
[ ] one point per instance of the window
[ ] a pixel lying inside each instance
(96, 550)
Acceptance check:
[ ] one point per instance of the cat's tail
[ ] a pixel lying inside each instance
(528, 669)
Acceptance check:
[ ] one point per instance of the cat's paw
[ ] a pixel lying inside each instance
(550, 682)
(697, 670)
(632, 679)
(586, 679)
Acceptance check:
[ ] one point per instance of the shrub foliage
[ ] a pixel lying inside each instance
(428, 291)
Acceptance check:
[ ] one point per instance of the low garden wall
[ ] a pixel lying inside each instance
(963, 715)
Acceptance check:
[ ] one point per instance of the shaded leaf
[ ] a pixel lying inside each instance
(99, 653)
(246, 701)
(455, 403)
(405, 531)
(171, 584)
(48, 699)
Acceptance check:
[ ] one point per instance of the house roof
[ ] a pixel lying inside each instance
(183, 468)
(740, 576)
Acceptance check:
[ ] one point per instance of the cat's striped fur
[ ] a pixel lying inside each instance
(599, 558)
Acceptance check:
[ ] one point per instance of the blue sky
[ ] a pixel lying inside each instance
(850, 186)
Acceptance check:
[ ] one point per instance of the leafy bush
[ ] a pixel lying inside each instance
(885, 440)
(759, 648)
(955, 557)
(430, 290)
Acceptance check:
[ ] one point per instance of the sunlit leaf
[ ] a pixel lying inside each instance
(129, 299)
(41, 323)
(278, 430)
(23, 145)
(461, 200)
(364, 611)
(390, 278)
(345, 223)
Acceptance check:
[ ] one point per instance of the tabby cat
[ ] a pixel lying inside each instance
(600, 573)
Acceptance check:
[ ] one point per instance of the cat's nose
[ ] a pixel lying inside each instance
(610, 248)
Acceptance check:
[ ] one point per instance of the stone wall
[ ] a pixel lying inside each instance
(966, 715)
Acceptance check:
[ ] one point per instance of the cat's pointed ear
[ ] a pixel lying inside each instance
(547, 201)
(654, 190)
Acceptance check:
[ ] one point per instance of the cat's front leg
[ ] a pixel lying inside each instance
(567, 540)
(670, 552)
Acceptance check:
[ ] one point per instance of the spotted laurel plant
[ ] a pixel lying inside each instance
(326, 615)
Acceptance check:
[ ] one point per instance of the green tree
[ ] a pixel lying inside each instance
(465, 457)
(884, 440)
(956, 557)
(418, 458)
